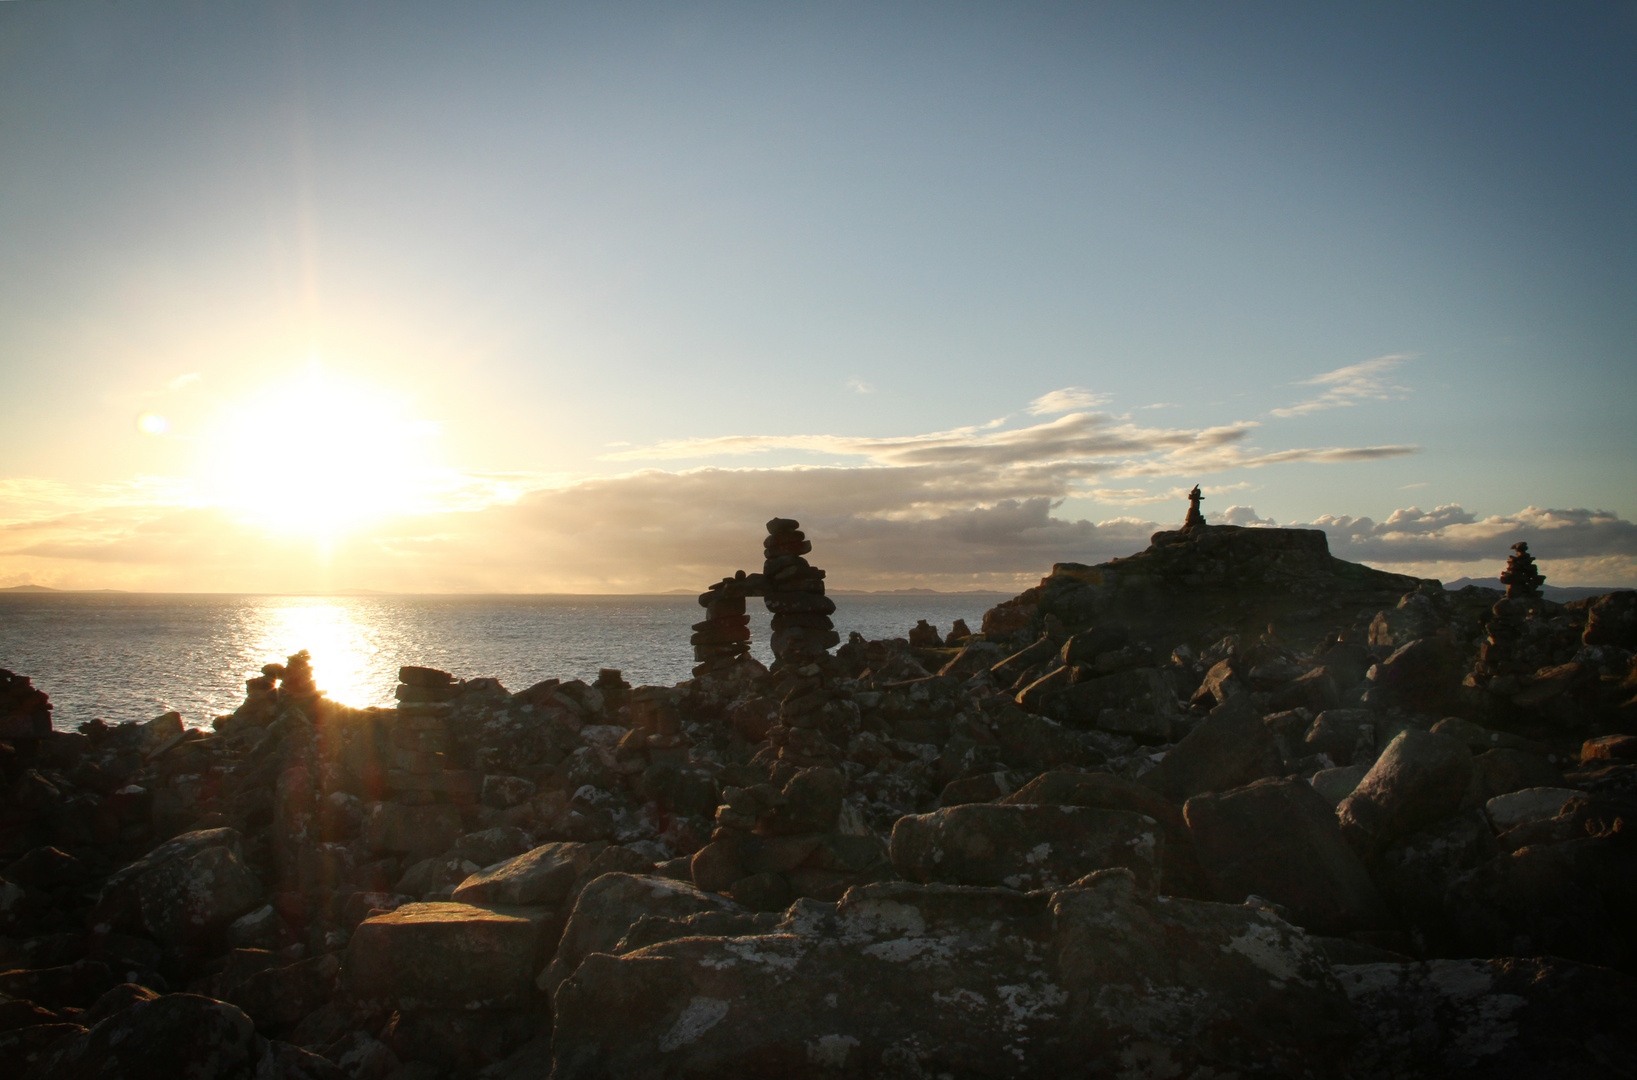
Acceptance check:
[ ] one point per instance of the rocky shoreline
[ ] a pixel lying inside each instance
(1230, 806)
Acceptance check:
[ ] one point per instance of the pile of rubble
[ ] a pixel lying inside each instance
(1128, 829)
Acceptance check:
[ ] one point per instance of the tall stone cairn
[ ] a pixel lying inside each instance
(722, 638)
(794, 593)
(1520, 577)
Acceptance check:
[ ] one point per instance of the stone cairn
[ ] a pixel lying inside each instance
(1520, 577)
(794, 593)
(1195, 519)
(722, 639)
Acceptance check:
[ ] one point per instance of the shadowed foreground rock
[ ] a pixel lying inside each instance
(937, 980)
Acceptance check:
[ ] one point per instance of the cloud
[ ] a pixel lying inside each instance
(1050, 458)
(1068, 399)
(1242, 515)
(652, 530)
(859, 386)
(182, 381)
(1351, 385)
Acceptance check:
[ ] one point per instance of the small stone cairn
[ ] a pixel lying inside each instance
(794, 593)
(1520, 577)
(1195, 519)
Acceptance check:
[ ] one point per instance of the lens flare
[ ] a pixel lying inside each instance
(153, 424)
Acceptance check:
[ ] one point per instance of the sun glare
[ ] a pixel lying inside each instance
(321, 454)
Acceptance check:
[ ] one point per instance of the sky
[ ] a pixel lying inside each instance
(524, 297)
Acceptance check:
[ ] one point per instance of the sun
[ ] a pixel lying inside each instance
(321, 454)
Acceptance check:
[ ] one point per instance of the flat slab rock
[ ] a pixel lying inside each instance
(449, 956)
(926, 980)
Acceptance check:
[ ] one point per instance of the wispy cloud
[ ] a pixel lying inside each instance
(859, 386)
(184, 380)
(1368, 380)
(1068, 399)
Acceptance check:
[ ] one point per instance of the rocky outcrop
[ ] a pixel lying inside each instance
(1129, 828)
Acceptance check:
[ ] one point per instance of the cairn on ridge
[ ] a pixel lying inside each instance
(1520, 577)
(1195, 519)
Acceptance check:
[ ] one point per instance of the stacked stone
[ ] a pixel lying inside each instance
(419, 770)
(722, 639)
(794, 593)
(295, 677)
(1520, 577)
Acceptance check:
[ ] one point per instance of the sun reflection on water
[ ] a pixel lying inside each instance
(345, 649)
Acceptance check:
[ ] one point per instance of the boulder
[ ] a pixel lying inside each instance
(1141, 703)
(974, 657)
(1007, 671)
(277, 997)
(1221, 682)
(1337, 733)
(1278, 838)
(185, 892)
(286, 1061)
(1611, 619)
(611, 905)
(923, 980)
(1314, 690)
(1610, 748)
(438, 1043)
(177, 1035)
(489, 846)
(1418, 779)
(1334, 785)
(540, 877)
(417, 832)
(75, 985)
(1573, 899)
(1530, 804)
(1068, 787)
(1230, 748)
(1506, 1017)
(1500, 772)
(1417, 872)
(1025, 846)
(1421, 674)
(448, 955)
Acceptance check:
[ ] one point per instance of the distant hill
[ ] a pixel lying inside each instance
(28, 588)
(1559, 593)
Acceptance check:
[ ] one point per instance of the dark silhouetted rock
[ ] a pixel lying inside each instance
(1025, 846)
(1230, 748)
(1279, 839)
(184, 892)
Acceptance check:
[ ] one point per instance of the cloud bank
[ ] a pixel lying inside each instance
(977, 506)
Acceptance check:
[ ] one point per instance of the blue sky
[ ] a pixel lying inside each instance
(605, 286)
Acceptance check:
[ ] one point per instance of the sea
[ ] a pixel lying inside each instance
(132, 656)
